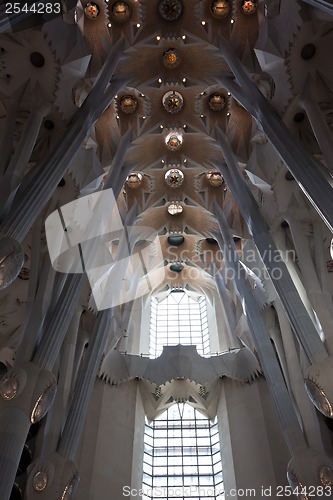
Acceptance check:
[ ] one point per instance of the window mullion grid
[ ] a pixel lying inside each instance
(153, 460)
(211, 455)
(175, 320)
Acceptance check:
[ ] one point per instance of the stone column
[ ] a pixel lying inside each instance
(74, 424)
(224, 308)
(320, 128)
(301, 165)
(307, 466)
(38, 186)
(9, 129)
(306, 409)
(117, 174)
(30, 387)
(324, 5)
(267, 357)
(19, 160)
(48, 349)
(320, 301)
(114, 432)
(66, 368)
(26, 393)
(285, 288)
(65, 476)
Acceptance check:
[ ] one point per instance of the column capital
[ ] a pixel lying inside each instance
(29, 388)
(51, 478)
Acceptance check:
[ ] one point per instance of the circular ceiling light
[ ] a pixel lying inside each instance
(43, 403)
(326, 475)
(174, 177)
(176, 267)
(175, 208)
(39, 481)
(92, 10)
(173, 141)
(176, 240)
(214, 178)
(249, 7)
(70, 488)
(171, 58)
(120, 12)
(172, 101)
(170, 10)
(8, 388)
(134, 180)
(220, 8)
(318, 398)
(128, 104)
(217, 101)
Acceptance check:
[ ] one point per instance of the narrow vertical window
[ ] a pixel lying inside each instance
(182, 456)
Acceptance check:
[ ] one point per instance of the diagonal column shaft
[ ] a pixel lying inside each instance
(300, 164)
(301, 322)
(324, 5)
(83, 388)
(48, 350)
(37, 188)
(267, 357)
(116, 177)
(320, 129)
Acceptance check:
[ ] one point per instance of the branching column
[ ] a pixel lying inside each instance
(267, 357)
(306, 467)
(301, 165)
(66, 476)
(39, 185)
(28, 390)
(286, 290)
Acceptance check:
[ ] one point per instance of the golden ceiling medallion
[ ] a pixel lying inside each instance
(120, 12)
(92, 10)
(214, 178)
(134, 180)
(220, 9)
(249, 7)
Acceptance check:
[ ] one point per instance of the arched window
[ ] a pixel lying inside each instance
(182, 456)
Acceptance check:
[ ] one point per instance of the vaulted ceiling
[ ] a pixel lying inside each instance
(156, 139)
